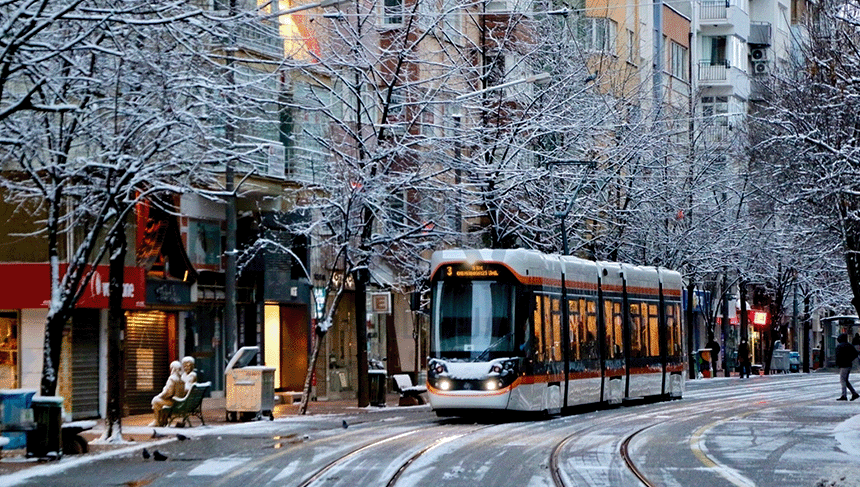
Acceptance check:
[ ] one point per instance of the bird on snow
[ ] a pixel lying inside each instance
(345, 424)
(181, 437)
(158, 456)
(591, 77)
(156, 434)
(145, 454)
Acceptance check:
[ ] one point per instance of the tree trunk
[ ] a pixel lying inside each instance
(116, 325)
(315, 352)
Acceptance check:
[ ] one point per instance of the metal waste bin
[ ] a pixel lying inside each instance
(250, 389)
(377, 381)
(779, 360)
(47, 439)
(16, 416)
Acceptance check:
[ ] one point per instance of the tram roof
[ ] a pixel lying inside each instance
(532, 262)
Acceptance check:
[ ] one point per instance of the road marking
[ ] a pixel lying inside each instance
(697, 445)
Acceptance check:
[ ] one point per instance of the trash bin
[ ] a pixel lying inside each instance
(250, 389)
(47, 439)
(779, 361)
(705, 361)
(16, 416)
(377, 380)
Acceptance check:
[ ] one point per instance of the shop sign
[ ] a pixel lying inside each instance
(27, 285)
(167, 292)
(380, 303)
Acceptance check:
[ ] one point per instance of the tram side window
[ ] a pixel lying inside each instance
(555, 344)
(614, 330)
(538, 325)
(576, 325)
(673, 330)
(590, 349)
(653, 331)
(637, 345)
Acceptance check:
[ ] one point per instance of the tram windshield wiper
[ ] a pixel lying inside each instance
(492, 346)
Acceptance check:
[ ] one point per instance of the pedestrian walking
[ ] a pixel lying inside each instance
(744, 358)
(845, 355)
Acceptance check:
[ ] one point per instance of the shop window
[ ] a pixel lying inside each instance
(8, 350)
(205, 243)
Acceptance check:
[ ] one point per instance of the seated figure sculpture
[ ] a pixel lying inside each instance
(174, 387)
(189, 375)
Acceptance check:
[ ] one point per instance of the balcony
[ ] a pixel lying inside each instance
(724, 13)
(724, 77)
(714, 10)
(261, 38)
(714, 73)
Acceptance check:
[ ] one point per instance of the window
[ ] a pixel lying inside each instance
(714, 50)
(204, 247)
(8, 349)
(632, 47)
(496, 70)
(393, 13)
(717, 108)
(396, 211)
(451, 24)
(598, 34)
(678, 66)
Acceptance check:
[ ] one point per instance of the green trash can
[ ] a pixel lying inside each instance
(47, 439)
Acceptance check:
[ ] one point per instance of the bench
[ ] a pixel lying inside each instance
(185, 407)
(410, 395)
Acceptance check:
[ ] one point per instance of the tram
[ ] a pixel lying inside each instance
(519, 330)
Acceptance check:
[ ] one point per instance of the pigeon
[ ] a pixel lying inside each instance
(158, 456)
(181, 437)
(345, 424)
(145, 454)
(156, 434)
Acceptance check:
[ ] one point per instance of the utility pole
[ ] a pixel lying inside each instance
(230, 297)
(725, 321)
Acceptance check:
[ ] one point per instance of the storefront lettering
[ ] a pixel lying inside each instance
(100, 288)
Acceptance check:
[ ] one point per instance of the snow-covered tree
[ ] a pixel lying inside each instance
(109, 104)
(808, 148)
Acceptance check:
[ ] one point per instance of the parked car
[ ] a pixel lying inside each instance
(794, 362)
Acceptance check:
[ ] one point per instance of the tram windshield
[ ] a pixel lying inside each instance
(473, 320)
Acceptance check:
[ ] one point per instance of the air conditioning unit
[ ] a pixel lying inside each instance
(758, 54)
(760, 68)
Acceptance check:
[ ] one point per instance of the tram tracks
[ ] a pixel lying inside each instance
(393, 479)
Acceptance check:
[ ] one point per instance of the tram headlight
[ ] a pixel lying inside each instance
(444, 384)
(493, 384)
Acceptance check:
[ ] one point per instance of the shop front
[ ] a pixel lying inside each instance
(24, 301)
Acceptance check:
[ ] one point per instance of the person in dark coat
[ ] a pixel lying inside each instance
(845, 355)
(744, 358)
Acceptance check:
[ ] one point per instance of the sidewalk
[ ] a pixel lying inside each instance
(137, 433)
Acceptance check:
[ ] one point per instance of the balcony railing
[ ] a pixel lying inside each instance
(262, 38)
(710, 72)
(714, 9)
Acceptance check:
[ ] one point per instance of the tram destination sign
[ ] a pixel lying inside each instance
(472, 271)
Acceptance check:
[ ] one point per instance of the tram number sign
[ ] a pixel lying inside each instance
(475, 271)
